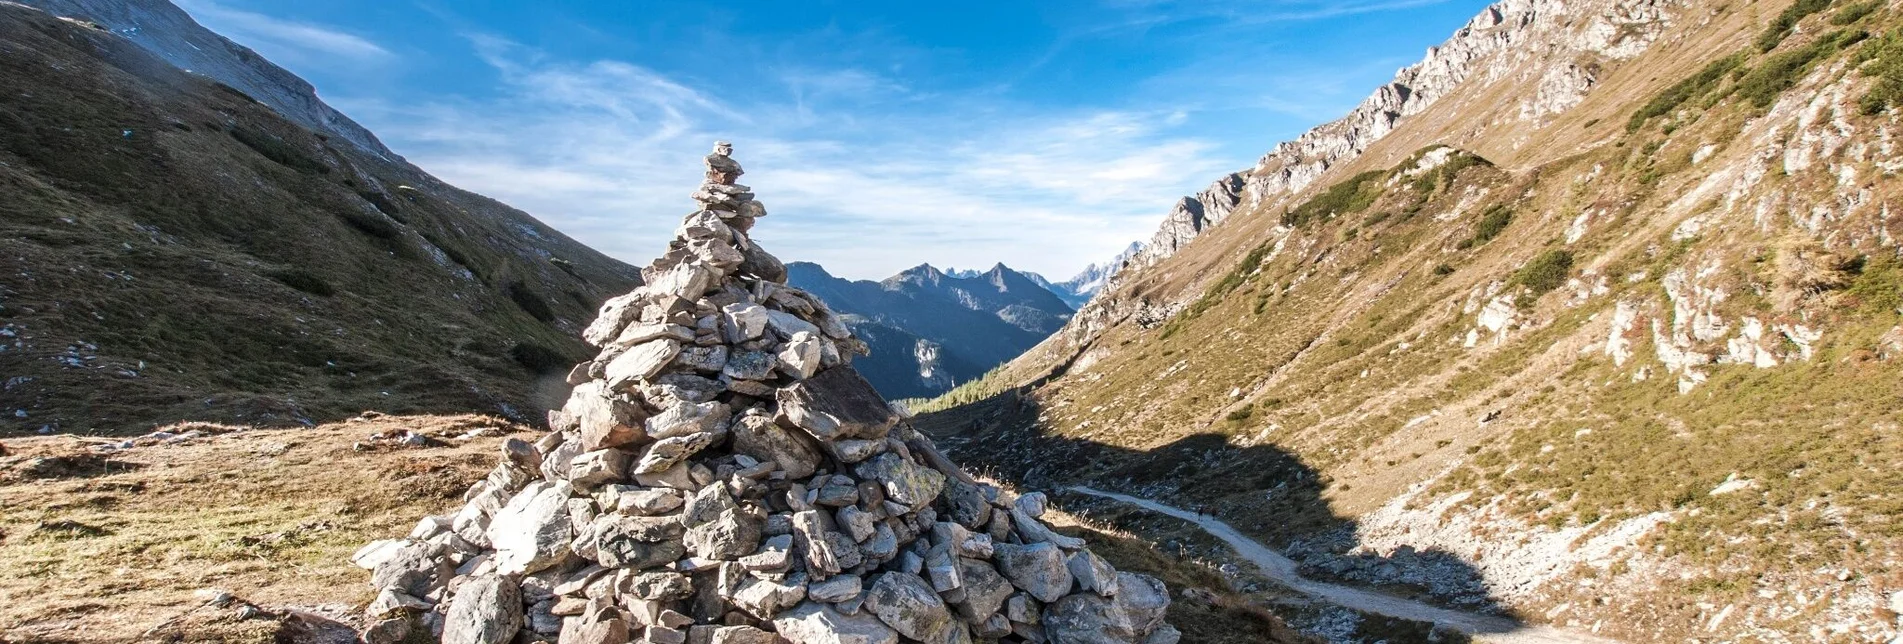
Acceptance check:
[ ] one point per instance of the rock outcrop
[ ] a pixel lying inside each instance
(722, 474)
(1497, 41)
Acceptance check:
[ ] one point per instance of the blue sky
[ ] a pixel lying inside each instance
(1046, 135)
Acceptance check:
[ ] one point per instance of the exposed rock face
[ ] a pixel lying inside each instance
(1494, 42)
(722, 474)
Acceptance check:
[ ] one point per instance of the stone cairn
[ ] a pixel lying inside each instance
(722, 475)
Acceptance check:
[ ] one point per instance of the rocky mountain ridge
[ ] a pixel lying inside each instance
(931, 330)
(1504, 36)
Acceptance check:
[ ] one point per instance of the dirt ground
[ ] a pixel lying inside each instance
(115, 546)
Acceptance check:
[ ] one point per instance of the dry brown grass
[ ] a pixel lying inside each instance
(269, 515)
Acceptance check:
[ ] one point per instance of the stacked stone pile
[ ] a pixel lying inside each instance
(722, 475)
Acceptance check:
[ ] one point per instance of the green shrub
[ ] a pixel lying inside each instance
(369, 224)
(1854, 12)
(1781, 26)
(1883, 62)
(1444, 174)
(1694, 86)
(1546, 272)
(1241, 414)
(303, 280)
(1353, 195)
(531, 303)
(537, 358)
(275, 149)
(1493, 223)
(1780, 72)
(1443, 269)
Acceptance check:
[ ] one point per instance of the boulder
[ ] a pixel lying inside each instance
(836, 404)
(816, 623)
(909, 605)
(756, 261)
(1129, 618)
(837, 589)
(668, 452)
(532, 532)
(615, 313)
(669, 388)
(741, 635)
(765, 598)
(985, 590)
(1039, 569)
(683, 418)
(487, 609)
(903, 481)
(756, 435)
(1093, 573)
(640, 362)
(787, 325)
(799, 357)
(598, 467)
(718, 528)
(744, 321)
(415, 568)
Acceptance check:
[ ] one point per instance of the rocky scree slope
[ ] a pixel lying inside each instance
(929, 330)
(721, 473)
(176, 250)
(1632, 361)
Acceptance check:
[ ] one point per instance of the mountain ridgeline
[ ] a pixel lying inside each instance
(930, 330)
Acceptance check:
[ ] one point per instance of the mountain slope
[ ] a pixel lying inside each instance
(176, 250)
(930, 330)
(1604, 335)
(167, 31)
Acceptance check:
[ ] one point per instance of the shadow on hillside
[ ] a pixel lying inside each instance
(1262, 490)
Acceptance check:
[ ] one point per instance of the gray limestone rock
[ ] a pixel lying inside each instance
(532, 532)
(834, 404)
(487, 609)
(903, 481)
(683, 418)
(415, 568)
(816, 623)
(909, 605)
(1093, 573)
(1039, 569)
(756, 435)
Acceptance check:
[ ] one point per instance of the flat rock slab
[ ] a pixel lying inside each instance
(836, 403)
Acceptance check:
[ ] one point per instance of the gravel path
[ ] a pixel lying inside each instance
(1484, 628)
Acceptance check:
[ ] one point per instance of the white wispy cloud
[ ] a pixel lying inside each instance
(608, 150)
(282, 40)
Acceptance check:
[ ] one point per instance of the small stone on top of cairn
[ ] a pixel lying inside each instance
(720, 474)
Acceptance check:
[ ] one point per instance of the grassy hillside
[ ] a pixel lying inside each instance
(174, 250)
(1634, 366)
